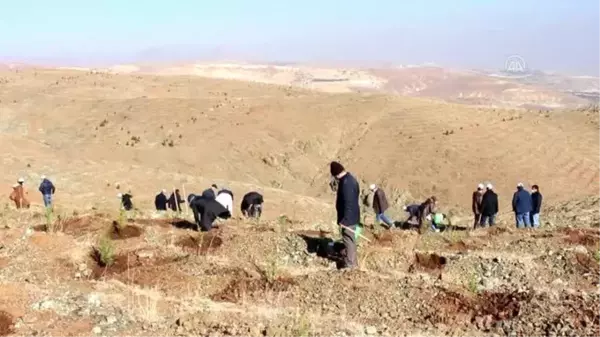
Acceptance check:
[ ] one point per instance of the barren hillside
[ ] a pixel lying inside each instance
(87, 269)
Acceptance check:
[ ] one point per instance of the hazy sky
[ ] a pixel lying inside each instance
(558, 35)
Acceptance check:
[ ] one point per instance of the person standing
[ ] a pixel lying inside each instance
(348, 211)
(536, 205)
(175, 201)
(489, 206)
(18, 195)
(160, 201)
(47, 189)
(126, 202)
(476, 205)
(380, 205)
(521, 205)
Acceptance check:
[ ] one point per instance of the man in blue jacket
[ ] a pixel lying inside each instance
(47, 189)
(521, 205)
(348, 211)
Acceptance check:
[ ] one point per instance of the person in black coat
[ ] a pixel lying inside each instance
(252, 204)
(175, 201)
(489, 206)
(536, 205)
(126, 202)
(210, 192)
(160, 201)
(348, 211)
(206, 211)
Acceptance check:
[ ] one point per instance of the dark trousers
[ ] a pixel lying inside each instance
(350, 259)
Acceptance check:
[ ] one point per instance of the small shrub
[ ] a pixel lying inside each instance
(597, 256)
(103, 123)
(472, 283)
(106, 251)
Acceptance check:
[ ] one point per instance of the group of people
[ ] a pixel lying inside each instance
(526, 206)
(211, 204)
(18, 194)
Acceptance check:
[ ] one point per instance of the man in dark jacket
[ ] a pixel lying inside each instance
(175, 201)
(126, 202)
(348, 211)
(536, 206)
(252, 205)
(489, 206)
(380, 205)
(476, 205)
(160, 201)
(413, 213)
(210, 192)
(206, 211)
(47, 189)
(521, 205)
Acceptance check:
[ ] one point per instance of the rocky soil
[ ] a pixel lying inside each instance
(276, 279)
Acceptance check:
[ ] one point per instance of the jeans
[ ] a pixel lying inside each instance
(490, 219)
(381, 217)
(522, 220)
(47, 200)
(535, 220)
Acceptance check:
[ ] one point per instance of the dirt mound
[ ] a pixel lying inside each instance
(482, 309)
(165, 223)
(119, 232)
(239, 289)
(6, 323)
(204, 243)
(589, 238)
(123, 263)
(384, 238)
(313, 233)
(428, 262)
(460, 246)
(497, 230)
(586, 264)
(72, 225)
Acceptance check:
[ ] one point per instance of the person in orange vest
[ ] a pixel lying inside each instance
(18, 195)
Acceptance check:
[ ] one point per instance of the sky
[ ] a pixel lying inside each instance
(553, 35)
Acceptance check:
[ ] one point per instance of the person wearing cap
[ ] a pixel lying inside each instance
(536, 205)
(47, 189)
(174, 202)
(380, 205)
(476, 205)
(489, 206)
(18, 195)
(348, 211)
(160, 201)
(126, 202)
(521, 205)
(211, 192)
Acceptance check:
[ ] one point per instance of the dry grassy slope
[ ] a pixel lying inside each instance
(276, 139)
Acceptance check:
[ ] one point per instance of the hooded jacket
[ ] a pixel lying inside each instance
(346, 202)
(380, 202)
(489, 203)
(521, 202)
(46, 187)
